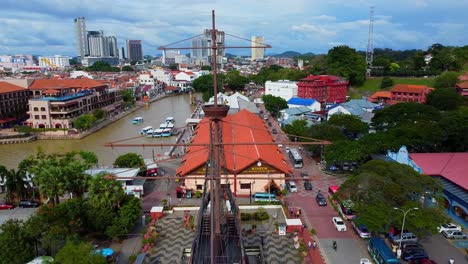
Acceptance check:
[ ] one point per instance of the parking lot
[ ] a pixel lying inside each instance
(18, 213)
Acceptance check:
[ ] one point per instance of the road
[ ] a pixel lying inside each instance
(441, 249)
(18, 213)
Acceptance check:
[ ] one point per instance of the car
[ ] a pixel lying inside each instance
(405, 246)
(269, 123)
(321, 201)
(265, 117)
(414, 254)
(332, 168)
(304, 175)
(6, 206)
(449, 226)
(361, 230)
(365, 261)
(454, 234)
(307, 185)
(422, 261)
(28, 203)
(292, 186)
(274, 131)
(339, 224)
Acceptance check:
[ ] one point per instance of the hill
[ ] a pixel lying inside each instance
(287, 54)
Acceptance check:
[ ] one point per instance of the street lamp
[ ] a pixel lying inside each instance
(403, 226)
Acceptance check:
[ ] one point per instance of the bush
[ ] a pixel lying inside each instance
(132, 258)
(261, 215)
(245, 216)
(198, 194)
(302, 247)
(313, 232)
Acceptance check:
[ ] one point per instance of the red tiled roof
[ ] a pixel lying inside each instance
(463, 77)
(51, 91)
(6, 87)
(43, 84)
(452, 166)
(171, 88)
(409, 88)
(381, 94)
(243, 126)
(463, 85)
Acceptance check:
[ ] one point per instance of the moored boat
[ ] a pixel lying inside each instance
(137, 120)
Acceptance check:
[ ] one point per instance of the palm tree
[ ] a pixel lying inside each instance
(14, 183)
(105, 192)
(48, 176)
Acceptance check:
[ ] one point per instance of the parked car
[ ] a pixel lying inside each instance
(321, 201)
(365, 261)
(449, 227)
(304, 175)
(28, 203)
(407, 237)
(339, 224)
(361, 230)
(410, 246)
(307, 185)
(269, 124)
(414, 254)
(332, 168)
(6, 206)
(454, 234)
(274, 131)
(292, 186)
(422, 261)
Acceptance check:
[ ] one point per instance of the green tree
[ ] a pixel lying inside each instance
(386, 82)
(16, 246)
(350, 125)
(445, 99)
(204, 84)
(401, 113)
(381, 186)
(84, 122)
(129, 160)
(455, 127)
(14, 183)
(345, 151)
(206, 68)
(78, 252)
(446, 80)
(105, 192)
(128, 214)
(274, 104)
(99, 114)
(127, 97)
(346, 62)
(127, 68)
(394, 67)
(235, 81)
(296, 128)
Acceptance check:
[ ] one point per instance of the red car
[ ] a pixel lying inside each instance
(6, 206)
(422, 261)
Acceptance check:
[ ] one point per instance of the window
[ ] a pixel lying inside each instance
(43, 109)
(245, 185)
(199, 187)
(44, 117)
(36, 109)
(36, 117)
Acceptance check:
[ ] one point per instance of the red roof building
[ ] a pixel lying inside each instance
(402, 93)
(240, 161)
(323, 88)
(13, 103)
(383, 97)
(462, 88)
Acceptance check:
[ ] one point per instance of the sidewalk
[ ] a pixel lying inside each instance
(313, 255)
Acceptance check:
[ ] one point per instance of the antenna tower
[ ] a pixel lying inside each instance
(370, 42)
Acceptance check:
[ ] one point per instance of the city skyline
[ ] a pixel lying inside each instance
(46, 27)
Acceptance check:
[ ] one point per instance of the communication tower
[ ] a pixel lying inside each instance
(370, 42)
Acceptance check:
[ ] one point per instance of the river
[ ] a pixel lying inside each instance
(178, 107)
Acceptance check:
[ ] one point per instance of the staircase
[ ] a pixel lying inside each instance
(206, 225)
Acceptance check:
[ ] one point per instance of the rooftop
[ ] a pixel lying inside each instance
(83, 83)
(6, 87)
(409, 88)
(301, 101)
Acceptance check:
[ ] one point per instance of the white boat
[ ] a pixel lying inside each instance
(167, 132)
(150, 133)
(170, 119)
(163, 125)
(137, 120)
(157, 132)
(145, 130)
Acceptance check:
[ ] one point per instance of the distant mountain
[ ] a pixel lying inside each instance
(287, 54)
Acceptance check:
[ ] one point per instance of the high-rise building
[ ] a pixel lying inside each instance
(219, 44)
(134, 50)
(113, 49)
(257, 53)
(122, 53)
(81, 37)
(96, 43)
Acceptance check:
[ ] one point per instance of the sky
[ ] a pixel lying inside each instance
(45, 27)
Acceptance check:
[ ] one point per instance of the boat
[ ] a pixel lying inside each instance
(163, 125)
(145, 130)
(170, 119)
(150, 133)
(157, 133)
(167, 132)
(137, 120)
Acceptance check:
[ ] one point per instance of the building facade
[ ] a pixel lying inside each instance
(134, 50)
(57, 103)
(403, 93)
(56, 61)
(241, 162)
(462, 88)
(257, 53)
(81, 37)
(283, 88)
(13, 103)
(323, 88)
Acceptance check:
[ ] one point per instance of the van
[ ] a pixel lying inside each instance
(264, 197)
(406, 237)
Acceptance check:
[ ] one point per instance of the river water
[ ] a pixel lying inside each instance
(178, 107)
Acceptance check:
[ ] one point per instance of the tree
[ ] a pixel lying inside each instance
(206, 68)
(128, 214)
(78, 252)
(394, 67)
(445, 99)
(455, 127)
(174, 66)
(84, 122)
(127, 97)
(127, 68)
(274, 104)
(129, 160)
(16, 246)
(204, 84)
(235, 81)
(345, 151)
(14, 183)
(446, 80)
(99, 114)
(346, 62)
(350, 125)
(379, 186)
(386, 82)
(401, 113)
(100, 66)
(296, 128)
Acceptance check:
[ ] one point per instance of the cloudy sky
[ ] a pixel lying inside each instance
(46, 26)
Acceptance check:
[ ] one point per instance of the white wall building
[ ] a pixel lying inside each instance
(283, 88)
(185, 76)
(146, 79)
(162, 75)
(54, 61)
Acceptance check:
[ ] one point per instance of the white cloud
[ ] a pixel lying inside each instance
(313, 29)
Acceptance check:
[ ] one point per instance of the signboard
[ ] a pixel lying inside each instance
(282, 229)
(264, 169)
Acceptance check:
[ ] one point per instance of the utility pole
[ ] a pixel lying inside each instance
(370, 42)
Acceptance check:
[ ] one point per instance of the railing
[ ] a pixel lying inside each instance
(197, 242)
(21, 135)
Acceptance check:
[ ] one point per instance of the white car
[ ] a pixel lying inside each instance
(339, 224)
(292, 186)
(365, 261)
(449, 227)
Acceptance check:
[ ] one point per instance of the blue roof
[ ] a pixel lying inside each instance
(301, 101)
